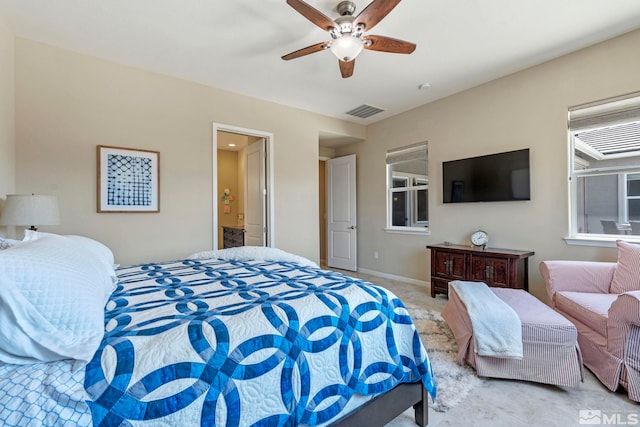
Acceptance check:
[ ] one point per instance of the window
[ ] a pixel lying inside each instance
(605, 168)
(407, 189)
(633, 196)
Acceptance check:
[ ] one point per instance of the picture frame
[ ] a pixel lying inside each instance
(128, 180)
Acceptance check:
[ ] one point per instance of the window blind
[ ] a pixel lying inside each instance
(610, 112)
(410, 152)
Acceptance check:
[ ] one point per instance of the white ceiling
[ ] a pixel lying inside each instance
(236, 45)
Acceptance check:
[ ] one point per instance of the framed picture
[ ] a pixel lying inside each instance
(128, 180)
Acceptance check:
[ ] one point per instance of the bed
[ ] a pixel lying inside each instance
(238, 337)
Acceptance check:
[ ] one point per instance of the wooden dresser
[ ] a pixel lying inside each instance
(232, 237)
(504, 268)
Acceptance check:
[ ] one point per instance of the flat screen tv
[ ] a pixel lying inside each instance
(492, 178)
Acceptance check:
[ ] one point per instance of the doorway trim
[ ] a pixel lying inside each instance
(268, 172)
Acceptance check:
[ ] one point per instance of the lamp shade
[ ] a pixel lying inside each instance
(347, 47)
(33, 210)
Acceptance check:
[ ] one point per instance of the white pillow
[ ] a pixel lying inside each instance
(258, 253)
(52, 297)
(30, 235)
(102, 254)
(7, 243)
(97, 249)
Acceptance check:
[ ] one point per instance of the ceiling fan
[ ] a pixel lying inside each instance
(347, 32)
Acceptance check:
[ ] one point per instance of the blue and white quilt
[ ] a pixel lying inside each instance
(237, 343)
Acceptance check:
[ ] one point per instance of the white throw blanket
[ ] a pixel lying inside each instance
(497, 329)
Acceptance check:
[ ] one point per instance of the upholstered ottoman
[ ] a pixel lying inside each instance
(550, 346)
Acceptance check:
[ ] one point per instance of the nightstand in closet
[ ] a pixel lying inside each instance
(232, 237)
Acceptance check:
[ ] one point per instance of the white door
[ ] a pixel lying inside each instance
(255, 195)
(341, 208)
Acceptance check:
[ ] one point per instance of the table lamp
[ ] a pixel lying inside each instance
(32, 210)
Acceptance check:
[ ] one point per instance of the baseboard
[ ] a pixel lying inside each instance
(394, 277)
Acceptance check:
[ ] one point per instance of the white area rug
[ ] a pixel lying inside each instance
(454, 381)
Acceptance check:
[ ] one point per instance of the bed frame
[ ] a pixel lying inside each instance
(385, 407)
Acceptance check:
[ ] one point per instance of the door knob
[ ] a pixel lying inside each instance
(353, 227)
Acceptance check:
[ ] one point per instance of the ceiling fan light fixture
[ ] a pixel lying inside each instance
(347, 47)
(347, 32)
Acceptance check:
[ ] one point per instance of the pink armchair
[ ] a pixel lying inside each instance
(607, 320)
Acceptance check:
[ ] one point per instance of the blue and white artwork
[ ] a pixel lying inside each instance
(128, 180)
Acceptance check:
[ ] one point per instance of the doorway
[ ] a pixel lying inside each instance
(229, 195)
(328, 145)
(322, 203)
(341, 213)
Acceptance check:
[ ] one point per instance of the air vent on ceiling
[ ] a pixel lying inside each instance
(364, 111)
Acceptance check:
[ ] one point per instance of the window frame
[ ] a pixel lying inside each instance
(402, 155)
(594, 116)
(627, 197)
(411, 199)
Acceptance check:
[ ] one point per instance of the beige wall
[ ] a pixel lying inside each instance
(226, 138)
(67, 103)
(327, 152)
(526, 109)
(7, 115)
(227, 179)
(242, 184)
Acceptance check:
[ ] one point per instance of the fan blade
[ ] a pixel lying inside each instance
(312, 14)
(346, 68)
(387, 44)
(374, 12)
(306, 51)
